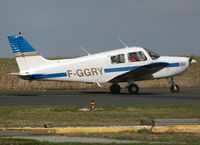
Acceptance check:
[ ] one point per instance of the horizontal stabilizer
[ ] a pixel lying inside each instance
(14, 74)
(38, 76)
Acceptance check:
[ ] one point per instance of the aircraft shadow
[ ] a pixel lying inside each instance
(145, 95)
(23, 94)
(108, 93)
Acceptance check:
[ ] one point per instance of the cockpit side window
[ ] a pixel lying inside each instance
(152, 54)
(117, 58)
(136, 56)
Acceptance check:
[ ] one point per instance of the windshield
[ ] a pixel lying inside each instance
(152, 54)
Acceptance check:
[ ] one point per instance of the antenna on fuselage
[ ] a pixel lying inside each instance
(122, 42)
(84, 50)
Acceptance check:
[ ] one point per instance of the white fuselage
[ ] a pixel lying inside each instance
(98, 67)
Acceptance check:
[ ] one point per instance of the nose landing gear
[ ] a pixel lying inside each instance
(174, 88)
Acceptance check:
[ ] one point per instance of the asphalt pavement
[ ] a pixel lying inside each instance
(187, 96)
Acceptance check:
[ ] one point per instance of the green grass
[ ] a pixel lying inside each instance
(70, 116)
(65, 116)
(6, 60)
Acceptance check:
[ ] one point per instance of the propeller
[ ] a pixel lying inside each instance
(191, 60)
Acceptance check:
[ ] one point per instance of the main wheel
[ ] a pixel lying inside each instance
(115, 89)
(133, 89)
(175, 89)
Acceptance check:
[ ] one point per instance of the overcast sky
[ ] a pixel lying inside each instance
(56, 27)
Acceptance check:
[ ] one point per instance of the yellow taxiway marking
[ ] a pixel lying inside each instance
(157, 129)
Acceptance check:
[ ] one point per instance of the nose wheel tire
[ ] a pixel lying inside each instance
(133, 89)
(115, 89)
(175, 88)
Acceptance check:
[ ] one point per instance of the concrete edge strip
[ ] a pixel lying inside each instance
(157, 129)
(177, 129)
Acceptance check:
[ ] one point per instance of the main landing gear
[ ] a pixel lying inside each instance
(174, 88)
(132, 88)
(115, 88)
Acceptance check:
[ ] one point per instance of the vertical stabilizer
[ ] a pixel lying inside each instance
(27, 57)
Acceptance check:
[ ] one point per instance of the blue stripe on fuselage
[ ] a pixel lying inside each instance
(118, 69)
(174, 64)
(108, 70)
(44, 76)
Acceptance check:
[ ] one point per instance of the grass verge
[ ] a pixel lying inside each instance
(107, 116)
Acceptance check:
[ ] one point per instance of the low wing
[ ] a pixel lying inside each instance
(140, 73)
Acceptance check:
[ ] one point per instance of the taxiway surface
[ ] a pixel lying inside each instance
(187, 96)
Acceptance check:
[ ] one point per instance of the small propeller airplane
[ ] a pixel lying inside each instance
(129, 64)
